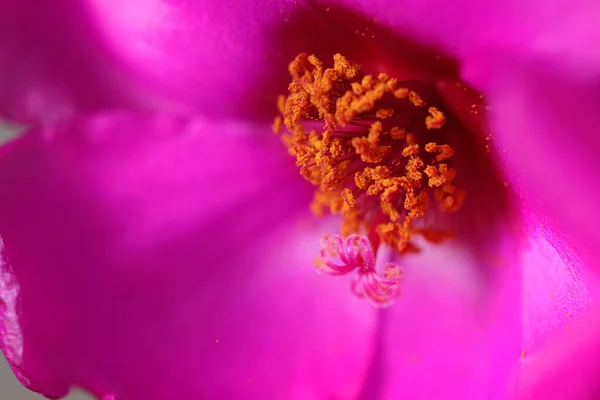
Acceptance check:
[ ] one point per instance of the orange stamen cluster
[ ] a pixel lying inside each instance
(357, 138)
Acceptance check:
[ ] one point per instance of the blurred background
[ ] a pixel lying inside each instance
(10, 388)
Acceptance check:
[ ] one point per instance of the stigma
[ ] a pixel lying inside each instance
(371, 146)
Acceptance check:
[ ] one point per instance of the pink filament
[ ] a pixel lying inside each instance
(340, 256)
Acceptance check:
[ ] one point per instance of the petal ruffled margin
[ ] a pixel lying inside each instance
(160, 258)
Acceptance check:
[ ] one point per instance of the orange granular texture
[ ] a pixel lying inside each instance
(436, 119)
(357, 171)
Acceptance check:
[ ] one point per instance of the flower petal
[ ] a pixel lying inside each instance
(568, 366)
(455, 333)
(557, 288)
(218, 57)
(458, 334)
(558, 295)
(537, 65)
(465, 28)
(159, 258)
(227, 57)
(546, 127)
(55, 63)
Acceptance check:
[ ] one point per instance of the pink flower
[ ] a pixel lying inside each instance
(157, 239)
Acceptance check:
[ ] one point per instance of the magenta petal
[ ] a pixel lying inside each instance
(455, 333)
(225, 57)
(537, 64)
(217, 57)
(560, 335)
(162, 258)
(546, 126)
(568, 367)
(55, 63)
(465, 28)
(557, 288)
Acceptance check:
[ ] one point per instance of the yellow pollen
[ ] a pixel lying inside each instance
(397, 133)
(436, 120)
(410, 150)
(445, 151)
(416, 99)
(384, 113)
(277, 124)
(349, 202)
(410, 139)
(349, 134)
(401, 93)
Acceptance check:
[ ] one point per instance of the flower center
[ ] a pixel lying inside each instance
(370, 145)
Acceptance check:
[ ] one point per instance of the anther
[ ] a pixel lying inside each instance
(375, 159)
